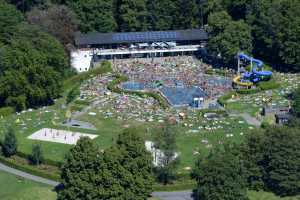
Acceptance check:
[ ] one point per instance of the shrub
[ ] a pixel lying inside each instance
(268, 85)
(72, 94)
(9, 146)
(248, 91)
(223, 99)
(5, 111)
(36, 157)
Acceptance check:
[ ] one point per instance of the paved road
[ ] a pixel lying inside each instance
(27, 176)
(179, 195)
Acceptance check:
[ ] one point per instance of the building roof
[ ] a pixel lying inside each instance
(140, 37)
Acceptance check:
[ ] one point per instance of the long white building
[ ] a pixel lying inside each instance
(94, 47)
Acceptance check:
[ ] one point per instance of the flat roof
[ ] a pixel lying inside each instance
(140, 37)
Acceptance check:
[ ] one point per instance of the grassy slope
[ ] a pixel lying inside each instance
(15, 188)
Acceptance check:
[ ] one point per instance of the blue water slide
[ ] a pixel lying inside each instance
(257, 64)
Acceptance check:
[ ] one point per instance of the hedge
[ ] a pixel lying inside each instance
(223, 99)
(29, 169)
(45, 161)
(82, 102)
(268, 85)
(248, 91)
(75, 108)
(5, 111)
(119, 79)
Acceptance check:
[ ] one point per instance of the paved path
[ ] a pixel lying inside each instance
(248, 118)
(178, 195)
(27, 176)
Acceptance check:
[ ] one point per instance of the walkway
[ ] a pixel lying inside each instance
(178, 195)
(27, 176)
(248, 118)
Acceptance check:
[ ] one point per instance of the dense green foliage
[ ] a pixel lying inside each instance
(228, 37)
(274, 29)
(122, 172)
(72, 94)
(10, 144)
(220, 177)
(36, 157)
(296, 103)
(58, 20)
(272, 160)
(94, 15)
(32, 63)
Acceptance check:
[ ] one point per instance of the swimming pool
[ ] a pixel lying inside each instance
(133, 86)
(178, 96)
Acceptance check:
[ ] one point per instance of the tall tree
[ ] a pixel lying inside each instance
(59, 21)
(137, 162)
(296, 103)
(185, 14)
(9, 18)
(219, 177)
(80, 172)
(123, 171)
(161, 16)
(10, 144)
(281, 161)
(36, 156)
(26, 5)
(228, 37)
(132, 15)
(94, 15)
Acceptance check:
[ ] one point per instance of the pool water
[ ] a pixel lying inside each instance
(178, 96)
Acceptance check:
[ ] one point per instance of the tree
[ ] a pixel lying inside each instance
(9, 18)
(160, 18)
(220, 177)
(281, 161)
(251, 153)
(123, 171)
(168, 163)
(36, 157)
(80, 172)
(32, 64)
(94, 15)
(10, 144)
(59, 21)
(26, 5)
(72, 94)
(228, 37)
(185, 14)
(138, 164)
(132, 15)
(273, 157)
(296, 103)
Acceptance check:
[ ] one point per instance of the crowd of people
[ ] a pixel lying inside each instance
(185, 71)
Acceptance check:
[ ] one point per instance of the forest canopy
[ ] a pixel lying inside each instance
(32, 62)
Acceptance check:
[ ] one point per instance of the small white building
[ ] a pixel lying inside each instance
(81, 60)
(157, 154)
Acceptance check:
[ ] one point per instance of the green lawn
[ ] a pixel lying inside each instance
(15, 188)
(268, 196)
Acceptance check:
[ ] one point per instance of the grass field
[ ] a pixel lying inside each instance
(15, 188)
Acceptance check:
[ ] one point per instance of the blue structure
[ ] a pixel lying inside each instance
(257, 74)
(178, 96)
